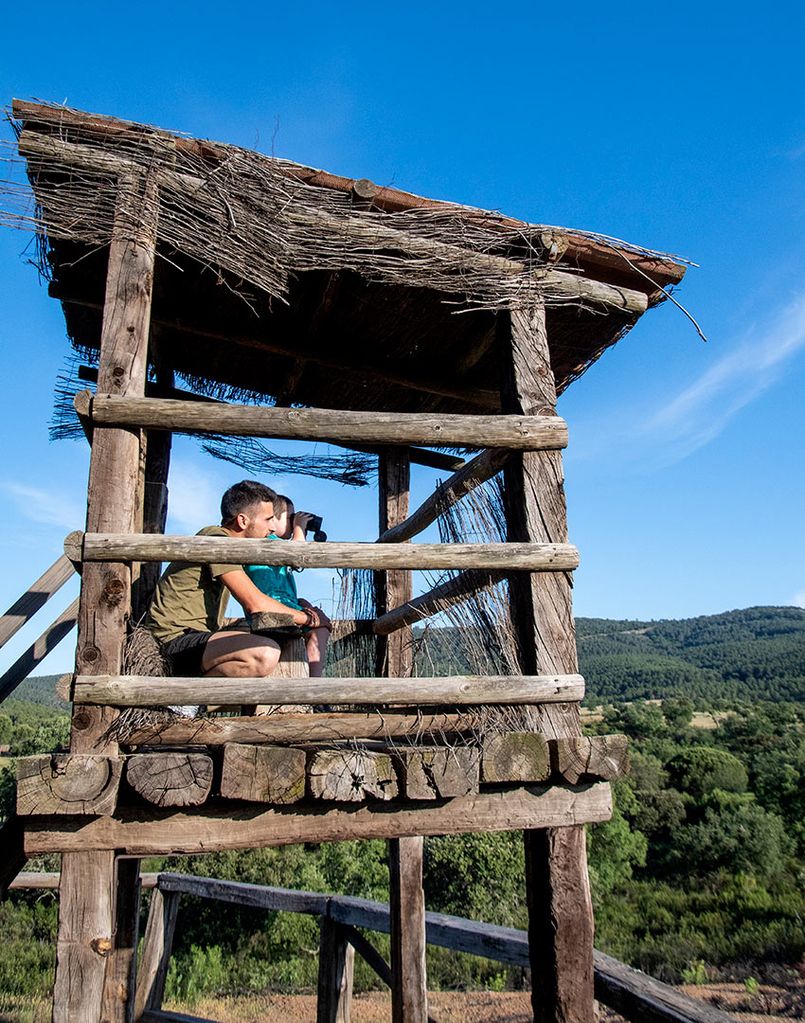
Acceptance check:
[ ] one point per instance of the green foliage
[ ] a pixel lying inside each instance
(698, 772)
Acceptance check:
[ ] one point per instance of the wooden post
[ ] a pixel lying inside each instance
(155, 958)
(558, 893)
(155, 502)
(409, 990)
(118, 994)
(336, 962)
(87, 903)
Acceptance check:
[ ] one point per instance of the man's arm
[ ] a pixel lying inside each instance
(252, 600)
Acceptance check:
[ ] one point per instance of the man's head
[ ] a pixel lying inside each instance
(247, 509)
(283, 516)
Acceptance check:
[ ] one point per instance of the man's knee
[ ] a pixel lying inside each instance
(264, 658)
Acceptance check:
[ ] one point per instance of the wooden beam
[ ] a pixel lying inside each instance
(336, 964)
(454, 591)
(472, 474)
(38, 651)
(34, 880)
(605, 757)
(519, 757)
(170, 779)
(351, 776)
(121, 963)
(438, 772)
(206, 550)
(303, 728)
(409, 981)
(557, 885)
(145, 831)
(13, 856)
(263, 774)
(156, 952)
(154, 691)
(419, 456)
(72, 783)
(35, 597)
(523, 433)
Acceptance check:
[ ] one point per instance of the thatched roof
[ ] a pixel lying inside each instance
(304, 287)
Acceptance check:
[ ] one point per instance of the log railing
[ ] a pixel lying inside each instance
(23, 610)
(633, 994)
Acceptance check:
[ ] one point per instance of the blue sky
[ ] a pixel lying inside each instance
(679, 129)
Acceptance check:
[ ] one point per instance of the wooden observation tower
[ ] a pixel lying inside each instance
(385, 323)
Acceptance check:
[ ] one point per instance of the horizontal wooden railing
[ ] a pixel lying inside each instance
(522, 433)
(620, 987)
(206, 550)
(153, 691)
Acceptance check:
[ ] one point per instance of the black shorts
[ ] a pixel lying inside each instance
(186, 652)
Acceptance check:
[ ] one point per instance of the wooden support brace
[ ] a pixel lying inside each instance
(38, 651)
(156, 952)
(35, 597)
(121, 963)
(460, 588)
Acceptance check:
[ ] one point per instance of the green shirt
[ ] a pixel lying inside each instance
(190, 596)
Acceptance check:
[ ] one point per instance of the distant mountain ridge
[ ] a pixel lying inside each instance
(757, 653)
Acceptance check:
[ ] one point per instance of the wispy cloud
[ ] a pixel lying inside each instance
(40, 506)
(696, 415)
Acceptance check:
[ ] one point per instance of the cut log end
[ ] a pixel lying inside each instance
(170, 779)
(349, 776)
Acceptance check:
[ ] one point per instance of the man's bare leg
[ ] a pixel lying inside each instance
(231, 654)
(316, 647)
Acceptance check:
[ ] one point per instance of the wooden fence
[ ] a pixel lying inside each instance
(343, 919)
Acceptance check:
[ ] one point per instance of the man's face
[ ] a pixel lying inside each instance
(257, 521)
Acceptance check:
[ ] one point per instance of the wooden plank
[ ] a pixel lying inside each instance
(472, 474)
(151, 831)
(71, 783)
(34, 880)
(336, 964)
(351, 776)
(303, 728)
(437, 599)
(35, 597)
(515, 757)
(148, 691)
(38, 651)
(86, 922)
(263, 774)
(156, 952)
(368, 953)
(557, 886)
(604, 757)
(409, 987)
(170, 779)
(239, 893)
(524, 433)
(206, 550)
(438, 772)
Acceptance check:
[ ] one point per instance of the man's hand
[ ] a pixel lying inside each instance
(317, 618)
(301, 519)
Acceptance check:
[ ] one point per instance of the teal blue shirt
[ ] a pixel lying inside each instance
(275, 581)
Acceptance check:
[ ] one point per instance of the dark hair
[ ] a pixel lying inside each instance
(242, 496)
(282, 504)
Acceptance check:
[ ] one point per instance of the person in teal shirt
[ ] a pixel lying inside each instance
(278, 581)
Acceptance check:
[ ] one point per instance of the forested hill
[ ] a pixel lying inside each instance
(754, 654)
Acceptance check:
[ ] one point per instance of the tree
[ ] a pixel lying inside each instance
(703, 769)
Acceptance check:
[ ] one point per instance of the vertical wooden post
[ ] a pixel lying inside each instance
(118, 995)
(155, 503)
(336, 962)
(86, 913)
(558, 893)
(409, 991)
(156, 954)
